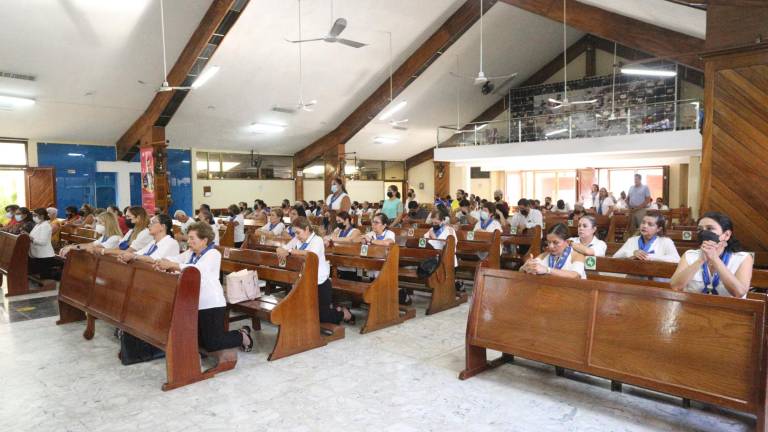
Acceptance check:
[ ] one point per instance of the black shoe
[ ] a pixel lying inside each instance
(460, 286)
(404, 298)
(247, 332)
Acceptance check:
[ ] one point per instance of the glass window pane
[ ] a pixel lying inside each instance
(566, 187)
(365, 170)
(14, 153)
(544, 185)
(201, 165)
(276, 167)
(394, 170)
(654, 179)
(514, 187)
(239, 166)
(12, 188)
(315, 170)
(214, 166)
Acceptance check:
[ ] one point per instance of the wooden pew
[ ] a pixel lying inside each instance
(14, 251)
(295, 313)
(441, 283)
(617, 228)
(472, 242)
(659, 339)
(226, 234)
(381, 294)
(159, 308)
(531, 237)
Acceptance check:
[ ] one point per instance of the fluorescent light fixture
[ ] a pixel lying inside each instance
(481, 127)
(75, 154)
(205, 76)
(266, 128)
(185, 161)
(315, 169)
(385, 140)
(392, 110)
(648, 72)
(555, 132)
(12, 102)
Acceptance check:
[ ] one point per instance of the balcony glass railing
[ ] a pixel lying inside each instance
(578, 121)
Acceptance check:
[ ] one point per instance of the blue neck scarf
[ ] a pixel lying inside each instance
(558, 265)
(715, 281)
(645, 247)
(195, 257)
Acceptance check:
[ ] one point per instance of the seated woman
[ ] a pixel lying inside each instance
(25, 222)
(212, 306)
(53, 214)
(294, 213)
(275, 225)
(164, 245)
(719, 266)
(207, 217)
(651, 243)
(42, 258)
(559, 259)
(344, 232)
(87, 218)
(307, 241)
(586, 243)
(136, 238)
(72, 216)
(379, 234)
(488, 218)
(441, 229)
(237, 219)
(107, 227)
(578, 211)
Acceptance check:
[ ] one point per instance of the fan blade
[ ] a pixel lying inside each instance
(338, 27)
(399, 127)
(304, 40)
(350, 43)
(461, 76)
(585, 102)
(283, 110)
(554, 101)
(510, 76)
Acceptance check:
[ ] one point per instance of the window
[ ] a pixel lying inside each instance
(201, 165)
(394, 170)
(364, 170)
(14, 152)
(244, 166)
(545, 185)
(276, 167)
(239, 166)
(477, 173)
(621, 180)
(315, 170)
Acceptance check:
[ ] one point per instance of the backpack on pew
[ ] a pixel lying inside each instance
(242, 286)
(427, 267)
(134, 350)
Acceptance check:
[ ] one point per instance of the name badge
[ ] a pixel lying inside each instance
(410, 232)
(226, 253)
(367, 229)
(262, 239)
(282, 262)
(687, 235)
(570, 222)
(470, 235)
(422, 242)
(364, 250)
(513, 230)
(590, 263)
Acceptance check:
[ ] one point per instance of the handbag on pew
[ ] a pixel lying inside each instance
(427, 267)
(242, 286)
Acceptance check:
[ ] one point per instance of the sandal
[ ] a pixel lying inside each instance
(350, 320)
(245, 330)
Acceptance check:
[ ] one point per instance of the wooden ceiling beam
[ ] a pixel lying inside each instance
(659, 41)
(197, 42)
(414, 65)
(419, 158)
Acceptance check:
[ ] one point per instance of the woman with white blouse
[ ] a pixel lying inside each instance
(487, 222)
(42, 258)
(587, 243)
(441, 230)
(164, 245)
(338, 200)
(718, 267)
(379, 234)
(605, 204)
(305, 241)
(109, 232)
(212, 306)
(651, 244)
(560, 259)
(275, 225)
(344, 232)
(236, 218)
(136, 238)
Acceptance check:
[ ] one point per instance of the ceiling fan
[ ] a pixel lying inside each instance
(398, 124)
(481, 78)
(301, 106)
(565, 103)
(337, 27)
(166, 87)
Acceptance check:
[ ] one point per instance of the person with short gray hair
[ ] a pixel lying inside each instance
(638, 198)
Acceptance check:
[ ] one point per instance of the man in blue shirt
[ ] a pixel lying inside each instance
(638, 198)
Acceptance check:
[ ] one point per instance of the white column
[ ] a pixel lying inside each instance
(123, 172)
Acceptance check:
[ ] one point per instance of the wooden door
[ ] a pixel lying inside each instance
(40, 186)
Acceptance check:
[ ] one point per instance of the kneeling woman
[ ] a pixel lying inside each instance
(212, 310)
(306, 240)
(560, 259)
(718, 267)
(650, 245)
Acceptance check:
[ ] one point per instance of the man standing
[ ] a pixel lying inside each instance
(638, 198)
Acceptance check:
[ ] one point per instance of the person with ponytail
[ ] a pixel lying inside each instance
(338, 200)
(560, 259)
(393, 206)
(719, 266)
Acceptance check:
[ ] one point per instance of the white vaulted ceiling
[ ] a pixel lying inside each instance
(88, 56)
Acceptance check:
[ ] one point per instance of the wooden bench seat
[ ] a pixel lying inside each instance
(658, 339)
(296, 313)
(531, 237)
(381, 294)
(472, 243)
(157, 307)
(14, 252)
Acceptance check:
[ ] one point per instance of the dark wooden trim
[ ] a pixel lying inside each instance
(451, 30)
(178, 73)
(419, 158)
(656, 40)
(591, 63)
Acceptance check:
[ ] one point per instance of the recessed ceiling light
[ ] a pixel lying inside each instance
(385, 140)
(266, 128)
(205, 76)
(648, 72)
(12, 102)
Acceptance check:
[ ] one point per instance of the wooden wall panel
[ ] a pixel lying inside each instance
(40, 186)
(735, 151)
(442, 178)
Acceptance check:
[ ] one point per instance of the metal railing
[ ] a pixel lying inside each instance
(578, 121)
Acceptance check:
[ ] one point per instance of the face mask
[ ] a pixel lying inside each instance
(101, 229)
(81, 213)
(484, 215)
(340, 225)
(17, 217)
(707, 235)
(36, 219)
(129, 223)
(390, 194)
(334, 188)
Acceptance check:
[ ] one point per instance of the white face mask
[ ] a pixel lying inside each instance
(101, 229)
(18, 218)
(36, 219)
(334, 188)
(484, 215)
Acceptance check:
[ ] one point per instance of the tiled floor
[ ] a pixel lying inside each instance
(403, 378)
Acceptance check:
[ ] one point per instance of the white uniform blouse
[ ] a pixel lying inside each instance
(387, 235)
(142, 239)
(605, 205)
(107, 243)
(493, 226)
(315, 245)
(596, 245)
(570, 265)
(275, 230)
(335, 204)
(166, 247)
(40, 236)
(696, 284)
(209, 265)
(240, 228)
(662, 249)
(533, 218)
(444, 234)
